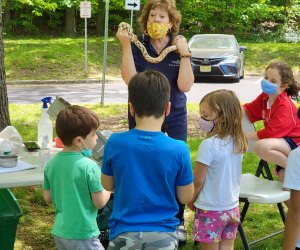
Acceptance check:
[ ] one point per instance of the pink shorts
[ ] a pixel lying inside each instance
(214, 226)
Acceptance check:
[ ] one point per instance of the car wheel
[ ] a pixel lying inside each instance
(236, 79)
(242, 75)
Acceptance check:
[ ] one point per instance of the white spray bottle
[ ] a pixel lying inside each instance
(45, 127)
(44, 153)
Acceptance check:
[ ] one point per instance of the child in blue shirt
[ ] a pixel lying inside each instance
(147, 170)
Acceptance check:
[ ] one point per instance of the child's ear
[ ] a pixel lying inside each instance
(284, 86)
(131, 109)
(77, 141)
(168, 109)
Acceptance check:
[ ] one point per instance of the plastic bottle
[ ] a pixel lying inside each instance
(44, 153)
(45, 127)
(5, 147)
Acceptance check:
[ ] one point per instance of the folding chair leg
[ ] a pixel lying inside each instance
(281, 211)
(264, 170)
(243, 237)
(244, 210)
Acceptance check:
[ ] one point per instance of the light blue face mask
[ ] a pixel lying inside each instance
(86, 152)
(268, 87)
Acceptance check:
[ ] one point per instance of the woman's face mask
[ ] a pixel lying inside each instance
(157, 30)
(268, 87)
(206, 125)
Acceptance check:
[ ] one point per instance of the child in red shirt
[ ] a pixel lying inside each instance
(281, 132)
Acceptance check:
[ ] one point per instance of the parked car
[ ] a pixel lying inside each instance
(217, 55)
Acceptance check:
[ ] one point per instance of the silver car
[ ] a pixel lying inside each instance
(217, 55)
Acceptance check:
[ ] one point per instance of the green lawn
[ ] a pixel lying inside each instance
(63, 58)
(35, 224)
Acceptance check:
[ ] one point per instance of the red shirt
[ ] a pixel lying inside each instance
(280, 119)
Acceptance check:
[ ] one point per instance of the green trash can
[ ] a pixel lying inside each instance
(10, 213)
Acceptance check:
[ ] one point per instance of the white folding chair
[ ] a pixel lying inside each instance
(259, 190)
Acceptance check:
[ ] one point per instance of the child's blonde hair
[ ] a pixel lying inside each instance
(229, 112)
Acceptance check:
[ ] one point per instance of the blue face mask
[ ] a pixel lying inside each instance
(268, 87)
(86, 152)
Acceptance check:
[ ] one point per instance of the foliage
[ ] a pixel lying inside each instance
(205, 16)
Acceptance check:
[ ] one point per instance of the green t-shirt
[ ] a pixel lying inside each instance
(71, 178)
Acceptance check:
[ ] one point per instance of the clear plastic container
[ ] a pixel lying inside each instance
(44, 153)
(45, 128)
(5, 147)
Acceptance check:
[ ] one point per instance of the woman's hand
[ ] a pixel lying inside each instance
(123, 37)
(182, 46)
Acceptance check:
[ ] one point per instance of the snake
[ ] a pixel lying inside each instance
(133, 38)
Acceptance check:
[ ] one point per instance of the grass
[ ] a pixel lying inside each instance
(34, 227)
(63, 58)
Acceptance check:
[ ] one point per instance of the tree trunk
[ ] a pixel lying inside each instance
(70, 24)
(4, 114)
(100, 18)
(6, 22)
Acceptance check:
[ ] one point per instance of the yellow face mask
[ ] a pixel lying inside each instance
(157, 30)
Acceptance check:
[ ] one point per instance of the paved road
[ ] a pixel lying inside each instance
(247, 89)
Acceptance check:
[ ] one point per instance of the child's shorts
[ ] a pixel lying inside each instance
(292, 146)
(214, 226)
(144, 240)
(88, 244)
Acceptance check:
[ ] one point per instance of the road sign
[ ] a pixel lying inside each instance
(132, 4)
(85, 9)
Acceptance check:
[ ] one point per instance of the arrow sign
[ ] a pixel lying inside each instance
(132, 4)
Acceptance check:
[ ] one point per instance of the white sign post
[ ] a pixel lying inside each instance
(85, 12)
(132, 5)
(104, 51)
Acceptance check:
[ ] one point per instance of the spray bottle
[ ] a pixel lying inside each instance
(45, 127)
(44, 153)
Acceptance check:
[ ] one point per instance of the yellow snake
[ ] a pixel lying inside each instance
(133, 38)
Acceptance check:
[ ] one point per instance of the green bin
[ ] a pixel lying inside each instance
(10, 213)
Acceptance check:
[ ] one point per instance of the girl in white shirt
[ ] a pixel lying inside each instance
(217, 171)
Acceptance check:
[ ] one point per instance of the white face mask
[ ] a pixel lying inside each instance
(206, 125)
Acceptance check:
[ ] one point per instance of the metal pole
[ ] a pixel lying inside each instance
(131, 18)
(104, 52)
(85, 48)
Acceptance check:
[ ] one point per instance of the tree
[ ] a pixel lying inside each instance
(4, 114)
(100, 16)
(70, 22)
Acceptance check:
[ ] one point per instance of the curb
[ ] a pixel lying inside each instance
(93, 81)
(46, 82)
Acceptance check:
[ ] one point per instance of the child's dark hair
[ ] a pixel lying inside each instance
(287, 77)
(75, 121)
(149, 92)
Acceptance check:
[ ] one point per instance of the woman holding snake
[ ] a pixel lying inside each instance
(160, 21)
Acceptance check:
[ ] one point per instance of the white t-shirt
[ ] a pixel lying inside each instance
(222, 182)
(292, 173)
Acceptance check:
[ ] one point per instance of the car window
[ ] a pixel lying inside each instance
(213, 43)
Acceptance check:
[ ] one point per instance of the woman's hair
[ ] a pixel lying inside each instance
(169, 6)
(287, 77)
(75, 121)
(227, 107)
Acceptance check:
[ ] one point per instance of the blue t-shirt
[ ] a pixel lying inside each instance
(176, 122)
(147, 167)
